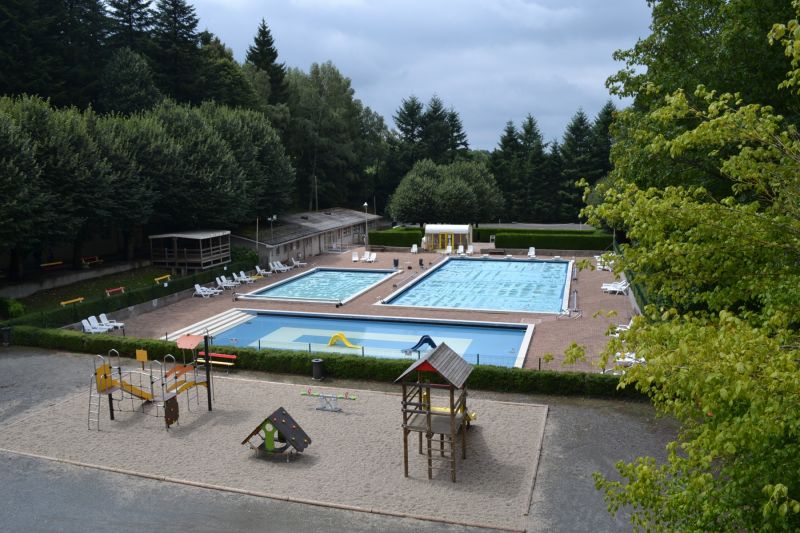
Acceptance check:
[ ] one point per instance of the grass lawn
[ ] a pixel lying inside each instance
(92, 289)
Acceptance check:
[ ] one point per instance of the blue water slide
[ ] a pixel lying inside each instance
(425, 339)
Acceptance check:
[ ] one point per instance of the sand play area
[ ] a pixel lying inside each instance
(355, 459)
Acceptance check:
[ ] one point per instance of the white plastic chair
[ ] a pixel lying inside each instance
(448, 250)
(96, 325)
(88, 328)
(355, 257)
(460, 250)
(470, 250)
(532, 251)
(413, 248)
(104, 321)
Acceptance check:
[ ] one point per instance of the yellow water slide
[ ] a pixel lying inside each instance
(340, 337)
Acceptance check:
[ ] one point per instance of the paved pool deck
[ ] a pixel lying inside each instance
(553, 333)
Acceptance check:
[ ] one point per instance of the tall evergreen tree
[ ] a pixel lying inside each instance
(458, 137)
(263, 54)
(577, 153)
(504, 164)
(534, 199)
(221, 77)
(176, 54)
(81, 35)
(27, 47)
(552, 172)
(127, 84)
(436, 132)
(131, 23)
(601, 143)
(409, 120)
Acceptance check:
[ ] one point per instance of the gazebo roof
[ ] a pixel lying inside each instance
(447, 228)
(445, 362)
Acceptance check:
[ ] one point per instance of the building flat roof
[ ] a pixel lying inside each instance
(300, 225)
(196, 235)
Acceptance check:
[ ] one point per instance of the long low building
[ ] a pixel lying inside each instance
(302, 235)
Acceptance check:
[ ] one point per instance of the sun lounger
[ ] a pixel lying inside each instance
(532, 251)
(278, 267)
(448, 250)
(365, 257)
(287, 267)
(297, 264)
(97, 326)
(88, 328)
(113, 324)
(414, 248)
(243, 278)
(460, 250)
(372, 257)
(224, 284)
(616, 288)
(233, 282)
(263, 273)
(470, 250)
(355, 257)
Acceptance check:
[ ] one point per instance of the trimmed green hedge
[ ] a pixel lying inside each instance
(562, 241)
(483, 234)
(484, 377)
(75, 312)
(396, 237)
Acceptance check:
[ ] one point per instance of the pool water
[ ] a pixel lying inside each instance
(500, 344)
(490, 284)
(323, 284)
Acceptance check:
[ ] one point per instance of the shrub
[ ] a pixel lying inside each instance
(483, 234)
(558, 241)
(485, 377)
(396, 237)
(11, 308)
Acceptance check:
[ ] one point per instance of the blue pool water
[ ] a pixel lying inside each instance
(328, 284)
(490, 284)
(379, 337)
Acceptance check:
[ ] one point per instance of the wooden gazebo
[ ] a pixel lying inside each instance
(191, 251)
(421, 417)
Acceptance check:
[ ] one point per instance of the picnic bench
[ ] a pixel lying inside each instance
(51, 265)
(161, 279)
(219, 359)
(115, 290)
(73, 301)
(90, 260)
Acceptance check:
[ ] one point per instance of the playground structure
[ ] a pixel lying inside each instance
(340, 337)
(278, 432)
(421, 417)
(328, 402)
(156, 385)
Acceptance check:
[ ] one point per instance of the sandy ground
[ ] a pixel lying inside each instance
(355, 458)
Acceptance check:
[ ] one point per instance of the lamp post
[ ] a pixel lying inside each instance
(366, 226)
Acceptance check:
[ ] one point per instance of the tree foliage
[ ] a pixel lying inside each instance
(461, 192)
(720, 267)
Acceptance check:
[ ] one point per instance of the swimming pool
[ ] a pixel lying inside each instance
(500, 344)
(327, 285)
(533, 286)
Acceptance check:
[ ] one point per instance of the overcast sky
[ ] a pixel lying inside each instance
(492, 60)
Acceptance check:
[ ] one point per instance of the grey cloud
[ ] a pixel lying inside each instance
(492, 60)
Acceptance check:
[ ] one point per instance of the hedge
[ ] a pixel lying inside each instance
(396, 237)
(562, 241)
(483, 234)
(484, 377)
(75, 312)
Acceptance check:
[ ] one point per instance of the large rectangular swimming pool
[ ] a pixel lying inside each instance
(331, 285)
(532, 286)
(500, 344)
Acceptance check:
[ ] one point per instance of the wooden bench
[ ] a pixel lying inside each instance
(497, 251)
(220, 359)
(73, 301)
(52, 265)
(161, 279)
(91, 260)
(115, 290)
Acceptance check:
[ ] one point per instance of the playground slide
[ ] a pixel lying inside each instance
(425, 339)
(136, 391)
(340, 337)
(472, 415)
